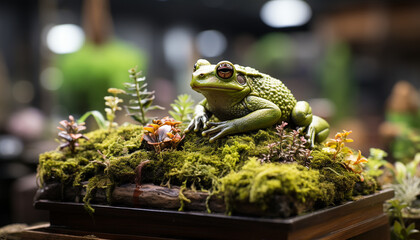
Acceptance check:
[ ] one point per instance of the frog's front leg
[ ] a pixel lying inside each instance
(317, 129)
(201, 116)
(263, 114)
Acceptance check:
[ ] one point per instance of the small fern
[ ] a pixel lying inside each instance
(140, 98)
(182, 108)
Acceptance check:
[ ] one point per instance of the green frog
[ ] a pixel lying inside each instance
(244, 99)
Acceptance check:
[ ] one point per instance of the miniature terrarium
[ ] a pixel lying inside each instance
(248, 149)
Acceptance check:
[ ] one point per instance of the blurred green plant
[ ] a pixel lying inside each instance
(401, 171)
(406, 186)
(141, 99)
(273, 53)
(89, 72)
(399, 230)
(182, 108)
(407, 190)
(376, 161)
(336, 78)
(406, 144)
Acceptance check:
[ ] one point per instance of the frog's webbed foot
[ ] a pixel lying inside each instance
(219, 129)
(198, 122)
(311, 133)
(318, 130)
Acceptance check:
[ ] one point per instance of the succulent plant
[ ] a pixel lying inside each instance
(163, 134)
(141, 99)
(70, 133)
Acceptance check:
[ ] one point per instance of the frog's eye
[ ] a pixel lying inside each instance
(241, 79)
(195, 67)
(225, 70)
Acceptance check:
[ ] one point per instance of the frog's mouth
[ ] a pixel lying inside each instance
(198, 88)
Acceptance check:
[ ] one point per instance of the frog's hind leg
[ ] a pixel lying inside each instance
(317, 129)
(302, 114)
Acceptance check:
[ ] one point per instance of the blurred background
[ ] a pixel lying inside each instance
(357, 62)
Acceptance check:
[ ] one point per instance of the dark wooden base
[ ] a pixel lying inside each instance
(360, 219)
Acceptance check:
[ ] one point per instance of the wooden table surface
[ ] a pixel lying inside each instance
(360, 219)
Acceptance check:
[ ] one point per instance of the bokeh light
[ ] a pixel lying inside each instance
(10, 147)
(23, 91)
(211, 43)
(285, 13)
(65, 38)
(177, 46)
(51, 78)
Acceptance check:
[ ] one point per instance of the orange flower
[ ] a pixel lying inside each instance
(162, 133)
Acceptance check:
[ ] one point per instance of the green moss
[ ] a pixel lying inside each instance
(228, 166)
(344, 181)
(365, 187)
(53, 167)
(261, 184)
(121, 169)
(124, 140)
(96, 182)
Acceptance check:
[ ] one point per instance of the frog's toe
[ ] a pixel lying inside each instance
(213, 124)
(221, 133)
(217, 130)
(322, 135)
(197, 126)
(311, 134)
(190, 126)
(214, 128)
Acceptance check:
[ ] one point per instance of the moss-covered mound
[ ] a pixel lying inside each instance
(234, 167)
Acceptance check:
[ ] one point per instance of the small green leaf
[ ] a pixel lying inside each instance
(100, 120)
(141, 79)
(155, 107)
(401, 171)
(397, 227)
(411, 227)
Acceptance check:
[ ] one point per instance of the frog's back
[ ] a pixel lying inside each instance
(273, 90)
